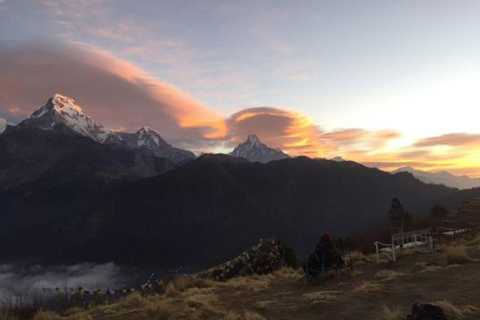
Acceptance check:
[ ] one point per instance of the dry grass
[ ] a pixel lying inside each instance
(131, 307)
(454, 312)
(361, 258)
(321, 296)
(288, 273)
(205, 303)
(248, 315)
(367, 287)
(160, 310)
(46, 315)
(180, 284)
(406, 252)
(263, 305)
(253, 283)
(395, 314)
(457, 255)
(475, 241)
(386, 274)
(431, 268)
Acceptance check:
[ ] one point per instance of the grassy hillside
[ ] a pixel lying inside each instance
(450, 277)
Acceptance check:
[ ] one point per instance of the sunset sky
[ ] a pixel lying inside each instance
(384, 83)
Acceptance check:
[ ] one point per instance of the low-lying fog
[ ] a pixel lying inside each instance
(27, 280)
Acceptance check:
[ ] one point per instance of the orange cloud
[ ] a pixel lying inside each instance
(348, 141)
(453, 139)
(113, 91)
(292, 132)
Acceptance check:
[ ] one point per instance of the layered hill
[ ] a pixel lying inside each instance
(442, 177)
(206, 210)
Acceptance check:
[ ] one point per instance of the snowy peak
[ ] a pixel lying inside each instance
(443, 177)
(149, 141)
(62, 114)
(253, 141)
(256, 151)
(149, 138)
(61, 105)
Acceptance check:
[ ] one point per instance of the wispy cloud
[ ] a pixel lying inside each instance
(112, 90)
(452, 139)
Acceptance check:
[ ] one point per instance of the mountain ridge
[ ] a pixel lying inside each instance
(442, 177)
(63, 116)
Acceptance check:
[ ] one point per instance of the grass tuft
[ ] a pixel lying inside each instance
(367, 287)
(321, 296)
(454, 312)
(395, 314)
(386, 274)
(457, 255)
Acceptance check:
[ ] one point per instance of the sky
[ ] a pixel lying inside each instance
(384, 83)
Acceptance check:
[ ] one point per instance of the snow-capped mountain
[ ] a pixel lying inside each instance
(443, 177)
(62, 115)
(150, 141)
(256, 151)
(3, 125)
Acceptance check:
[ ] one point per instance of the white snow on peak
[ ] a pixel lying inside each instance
(64, 109)
(254, 150)
(146, 136)
(252, 141)
(3, 125)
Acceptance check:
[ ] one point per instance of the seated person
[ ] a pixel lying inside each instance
(324, 251)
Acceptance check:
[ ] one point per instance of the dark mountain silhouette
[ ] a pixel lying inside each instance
(209, 209)
(454, 200)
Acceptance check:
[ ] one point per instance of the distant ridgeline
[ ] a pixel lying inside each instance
(67, 197)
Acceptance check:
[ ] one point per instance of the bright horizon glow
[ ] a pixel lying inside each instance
(384, 83)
